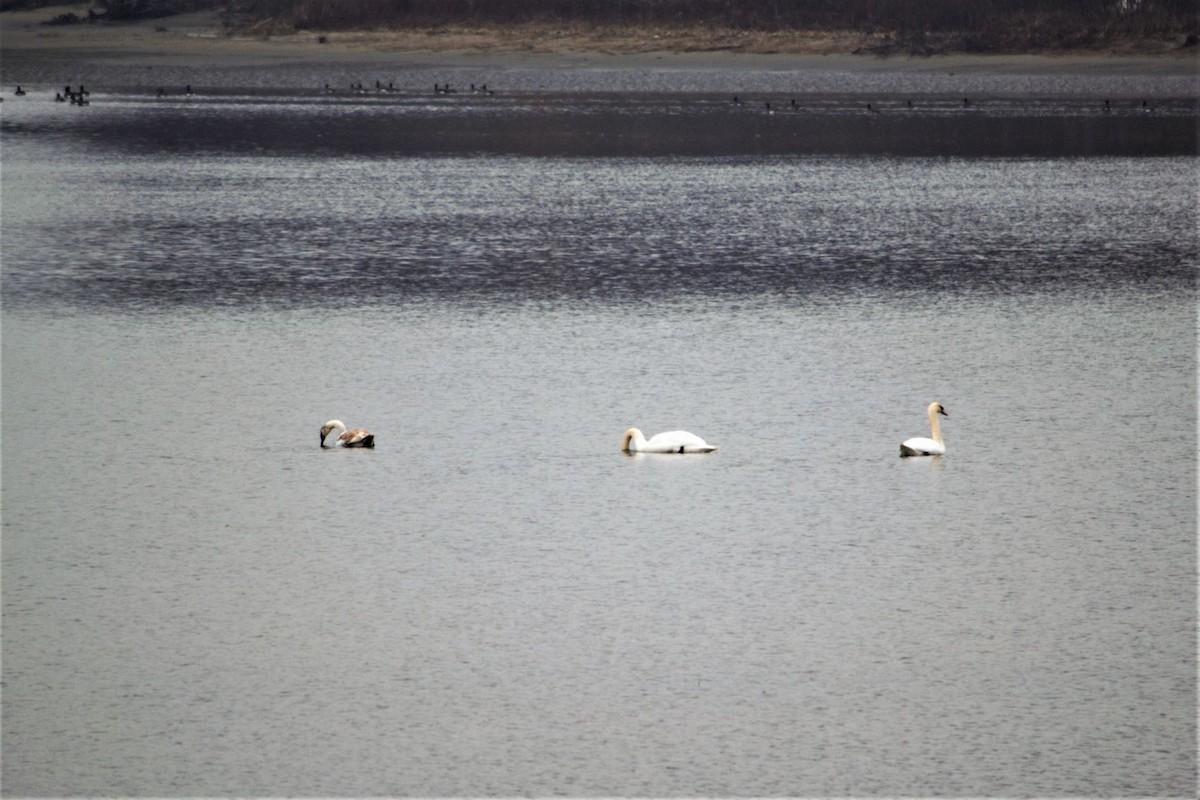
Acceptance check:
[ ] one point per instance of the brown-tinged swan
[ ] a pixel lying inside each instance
(354, 437)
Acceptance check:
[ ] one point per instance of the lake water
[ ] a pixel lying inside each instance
(200, 601)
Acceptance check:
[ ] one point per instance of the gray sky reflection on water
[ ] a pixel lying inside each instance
(222, 230)
(199, 601)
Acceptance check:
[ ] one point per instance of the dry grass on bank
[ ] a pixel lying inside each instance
(26, 29)
(556, 38)
(542, 37)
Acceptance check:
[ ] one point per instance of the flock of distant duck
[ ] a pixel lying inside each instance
(676, 442)
(873, 108)
(391, 88)
(67, 95)
(80, 97)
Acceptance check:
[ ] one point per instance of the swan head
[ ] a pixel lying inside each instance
(632, 435)
(936, 408)
(329, 427)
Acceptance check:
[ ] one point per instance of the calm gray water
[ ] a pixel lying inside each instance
(199, 601)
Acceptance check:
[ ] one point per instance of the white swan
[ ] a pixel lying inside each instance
(919, 445)
(355, 437)
(669, 442)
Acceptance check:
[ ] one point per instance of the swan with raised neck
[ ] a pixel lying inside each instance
(933, 446)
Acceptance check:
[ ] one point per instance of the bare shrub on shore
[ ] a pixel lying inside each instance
(912, 26)
(1143, 17)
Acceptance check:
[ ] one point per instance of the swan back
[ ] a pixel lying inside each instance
(920, 446)
(357, 437)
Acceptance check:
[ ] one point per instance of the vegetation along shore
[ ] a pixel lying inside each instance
(819, 27)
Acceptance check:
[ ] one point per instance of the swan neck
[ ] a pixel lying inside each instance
(935, 427)
(334, 428)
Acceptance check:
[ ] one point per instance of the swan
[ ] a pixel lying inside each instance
(919, 445)
(669, 442)
(355, 437)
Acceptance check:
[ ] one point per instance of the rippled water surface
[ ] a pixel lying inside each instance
(198, 600)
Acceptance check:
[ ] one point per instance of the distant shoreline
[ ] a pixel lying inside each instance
(204, 37)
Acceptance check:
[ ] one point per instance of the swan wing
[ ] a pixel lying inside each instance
(921, 446)
(677, 442)
(357, 437)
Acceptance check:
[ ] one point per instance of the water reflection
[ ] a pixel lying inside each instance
(235, 122)
(220, 230)
(495, 601)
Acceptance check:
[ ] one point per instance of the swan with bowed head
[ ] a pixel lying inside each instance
(670, 442)
(354, 437)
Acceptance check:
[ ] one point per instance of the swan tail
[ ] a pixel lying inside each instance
(906, 451)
